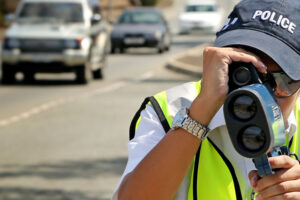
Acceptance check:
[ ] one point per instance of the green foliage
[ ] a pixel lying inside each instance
(149, 2)
(1, 19)
(2, 12)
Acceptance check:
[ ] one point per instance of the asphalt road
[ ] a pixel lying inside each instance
(59, 140)
(64, 141)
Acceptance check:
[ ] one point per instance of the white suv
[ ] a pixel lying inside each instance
(55, 36)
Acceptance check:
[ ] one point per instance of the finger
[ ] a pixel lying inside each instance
(244, 56)
(279, 162)
(253, 178)
(289, 196)
(281, 188)
(230, 54)
(238, 49)
(279, 177)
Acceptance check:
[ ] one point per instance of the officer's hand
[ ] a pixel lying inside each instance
(215, 68)
(214, 87)
(284, 184)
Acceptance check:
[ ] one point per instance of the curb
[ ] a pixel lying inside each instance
(187, 62)
(183, 68)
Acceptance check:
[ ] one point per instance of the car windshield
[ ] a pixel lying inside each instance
(200, 8)
(51, 12)
(140, 18)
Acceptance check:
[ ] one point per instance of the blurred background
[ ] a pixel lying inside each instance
(73, 74)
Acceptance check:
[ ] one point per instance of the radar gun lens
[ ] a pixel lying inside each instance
(244, 107)
(253, 138)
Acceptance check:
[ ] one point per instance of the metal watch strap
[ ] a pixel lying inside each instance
(192, 126)
(195, 128)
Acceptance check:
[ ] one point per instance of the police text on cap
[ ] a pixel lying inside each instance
(275, 18)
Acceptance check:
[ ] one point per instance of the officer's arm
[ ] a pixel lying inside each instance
(160, 173)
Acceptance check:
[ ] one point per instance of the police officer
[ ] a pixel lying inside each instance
(195, 159)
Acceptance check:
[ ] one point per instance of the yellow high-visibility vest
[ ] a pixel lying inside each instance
(212, 175)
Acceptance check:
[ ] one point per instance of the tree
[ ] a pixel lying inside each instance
(149, 2)
(136, 2)
(2, 12)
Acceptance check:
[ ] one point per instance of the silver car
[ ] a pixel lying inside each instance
(53, 36)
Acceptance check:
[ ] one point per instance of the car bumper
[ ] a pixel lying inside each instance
(196, 26)
(68, 58)
(141, 42)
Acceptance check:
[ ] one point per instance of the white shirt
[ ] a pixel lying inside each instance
(150, 132)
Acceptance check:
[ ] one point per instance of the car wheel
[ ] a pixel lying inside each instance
(8, 75)
(167, 42)
(100, 64)
(161, 46)
(167, 48)
(98, 73)
(112, 50)
(122, 50)
(160, 49)
(83, 74)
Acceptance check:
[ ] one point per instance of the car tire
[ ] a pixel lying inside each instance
(113, 50)
(161, 46)
(8, 75)
(83, 74)
(160, 50)
(98, 73)
(167, 48)
(122, 50)
(101, 62)
(167, 42)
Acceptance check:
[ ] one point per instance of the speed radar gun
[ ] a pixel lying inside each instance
(254, 120)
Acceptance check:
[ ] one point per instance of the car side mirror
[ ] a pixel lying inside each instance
(96, 18)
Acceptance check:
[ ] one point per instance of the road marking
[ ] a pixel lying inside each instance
(55, 103)
(146, 75)
(109, 88)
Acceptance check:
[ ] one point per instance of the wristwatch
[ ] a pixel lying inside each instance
(183, 120)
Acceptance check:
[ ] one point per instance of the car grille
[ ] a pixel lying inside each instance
(134, 35)
(42, 45)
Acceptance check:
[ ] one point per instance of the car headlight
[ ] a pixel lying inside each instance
(158, 34)
(12, 43)
(86, 43)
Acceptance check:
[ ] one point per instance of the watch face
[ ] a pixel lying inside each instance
(179, 117)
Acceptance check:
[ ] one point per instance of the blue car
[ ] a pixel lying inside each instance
(141, 27)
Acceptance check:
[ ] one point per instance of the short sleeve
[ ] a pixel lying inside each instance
(147, 136)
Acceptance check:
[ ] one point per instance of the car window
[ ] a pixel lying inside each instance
(41, 12)
(140, 18)
(200, 8)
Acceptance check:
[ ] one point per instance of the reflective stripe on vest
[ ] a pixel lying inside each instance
(212, 175)
(294, 148)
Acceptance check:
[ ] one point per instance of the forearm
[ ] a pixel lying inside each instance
(160, 173)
